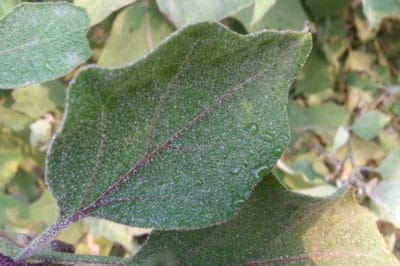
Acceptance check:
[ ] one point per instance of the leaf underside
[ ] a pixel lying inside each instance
(180, 138)
(35, 48)
(277, 227)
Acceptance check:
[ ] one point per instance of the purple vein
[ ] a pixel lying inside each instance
(164, 146)
(148, 197)
(161, 101)
(153, 123)
(99, 155)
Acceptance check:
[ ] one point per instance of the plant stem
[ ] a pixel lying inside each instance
(46, 237)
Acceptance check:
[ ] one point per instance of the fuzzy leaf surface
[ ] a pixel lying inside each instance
(34, 48)
(180, 138)
(277, 227)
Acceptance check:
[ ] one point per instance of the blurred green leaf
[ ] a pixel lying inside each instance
(23, 186)
(317, 76)
(43, 212)
(284, 14)
(33, 100)
(9, 161)
(12, 212)
(13, 120)
(98, 10)
(299, 119)
(57, 92)
(362, 151)
(326, 9)
(328, 116)
(387, 195)
(183, 13)
(136, 30)
(6, 6)
(34, 48)
(396, 108)
(376, 10)
(305, 169)
(342, 136)
(260, 8)
(370, 124)
(390, 166)
(361, 81)
(276, 226)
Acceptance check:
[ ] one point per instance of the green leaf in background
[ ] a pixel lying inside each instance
(180, 138)
(276, 18)
(135, 31)
(387, 195)
(325, 10)
(9, 161)
(183, 13)
(305, 169)
(98, 10)
(279, 227)
(33, 100)
(23, 186)
(342, 137)
(13, 120)
(318, 75)
(43, 212)
(299, 118)
(376, 10)
(328, 116)
(12, 212)
(370, 124)
(260, 8)
(359, 80)
(34, 48)
(6, 6)
(57, 92)
(390, 166)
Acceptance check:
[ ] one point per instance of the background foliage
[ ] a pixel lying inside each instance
(343, 110)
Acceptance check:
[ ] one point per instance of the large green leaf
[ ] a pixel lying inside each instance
(180, 138)
(135, 31)
(35, 48)
(376, 10)
(277, 227)
(98, 10)
(183, 13)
